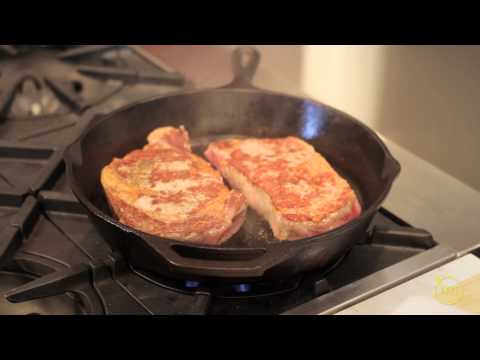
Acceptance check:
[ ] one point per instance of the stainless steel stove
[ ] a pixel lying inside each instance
(52, 261)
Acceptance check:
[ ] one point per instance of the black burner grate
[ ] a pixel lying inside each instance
(42, 82)
(46, 90)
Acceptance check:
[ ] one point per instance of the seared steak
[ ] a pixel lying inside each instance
(287, 182)
(166, 190)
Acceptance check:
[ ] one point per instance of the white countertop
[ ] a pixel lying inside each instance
(416, 297)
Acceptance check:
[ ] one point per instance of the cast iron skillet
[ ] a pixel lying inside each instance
(238, 109)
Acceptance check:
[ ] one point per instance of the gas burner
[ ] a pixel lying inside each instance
(44, 81)
(245, 291)
(241, 290)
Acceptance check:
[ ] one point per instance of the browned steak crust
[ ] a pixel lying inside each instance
(167, 191)
(288, 183)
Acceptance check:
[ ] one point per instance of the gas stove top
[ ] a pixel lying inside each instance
(52, 261)
(46, 91)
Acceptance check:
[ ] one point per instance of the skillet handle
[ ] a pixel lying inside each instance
(213, 263)
(245, 61)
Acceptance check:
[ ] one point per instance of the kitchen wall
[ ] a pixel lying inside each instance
(425, 98)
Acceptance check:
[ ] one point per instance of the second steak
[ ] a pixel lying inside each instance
(288, 183)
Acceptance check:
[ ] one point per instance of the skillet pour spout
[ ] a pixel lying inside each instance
(237, 109)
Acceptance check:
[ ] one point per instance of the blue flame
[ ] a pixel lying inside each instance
(192, 284)
(242, 288)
